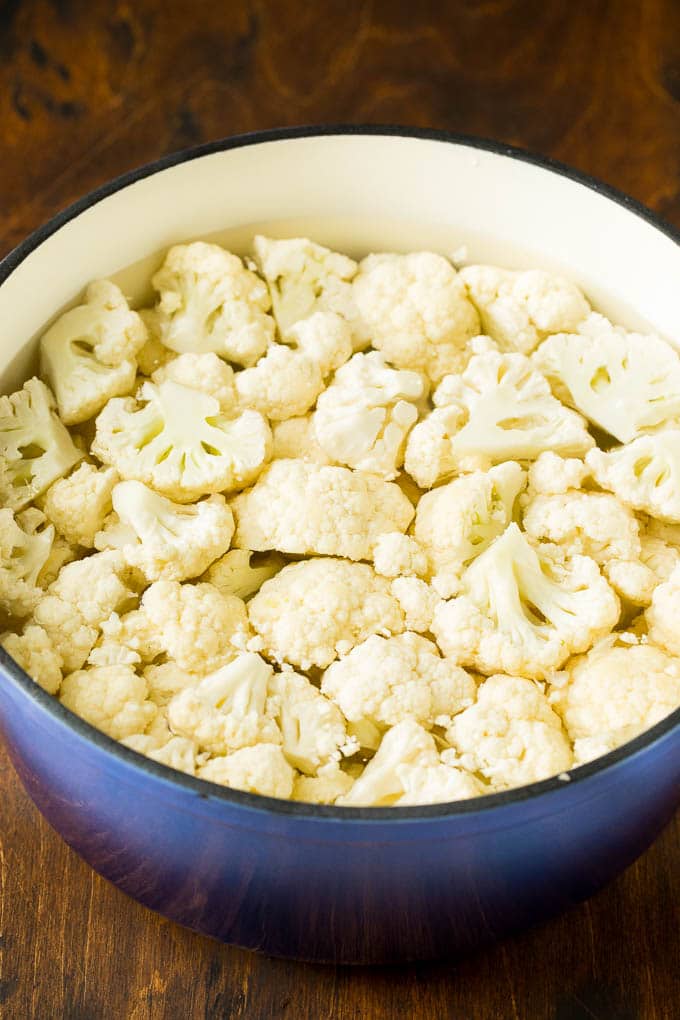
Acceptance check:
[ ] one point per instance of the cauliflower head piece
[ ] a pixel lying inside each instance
(204, 372)
(78, 505)
(259, 769)
(242, 572)
(397, 555)
(644, 475)
(325, 338)
(283, 384)
(25, 546)
(112, 698)
(295, 439)
(34, 652)
(313, 730)
(591, 524)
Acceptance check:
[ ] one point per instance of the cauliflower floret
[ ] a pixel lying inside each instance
(295, 439)
(417, 601)
(364, 416)
(320, 608)
(178, 440)
(325, 338)
(61, 553)
(227, 709)
(645, 474)
(261, 769)
(35, 448)
(620, 688)
(552, 474)
(305, 278)
(519, 309)
(524, 611)
(437, 784)
(34, 652)
(154, 353)
(499, 409)
(298, 507)
(458, 521)
(324, 788)
(112, 698)
(165, 680)
(95, 586)
(25, 544)
(416, 311)
(89, 354)
(204, 372)
(387, 680)
(313, 730)
(591, 524)
(662, 616)
(106, 653)
(511, 734)
(284, 383)
(77, 505)
(71, 638)
(195, 625)
(241, 572)
(625, 383)
(209, 301)
(165, 539)
(132, 632)
(176, 752)
(396, 555)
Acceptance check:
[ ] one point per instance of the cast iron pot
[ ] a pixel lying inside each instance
(323, 883)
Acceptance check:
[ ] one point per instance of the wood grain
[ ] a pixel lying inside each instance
(89, 90)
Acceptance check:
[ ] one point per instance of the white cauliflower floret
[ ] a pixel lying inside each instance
(227, 709)
(591, 524)
(408, 770)
(662, 616)
(458, 521)
(178, 440)
(519, 309)
(314, 610)
(396, 555)
(364, 416)
(625, 383)
(71, 637)
(387, 680)
(414, 308)
(132, 632)
(61, 553)
(89, 354)
(417, 601)
(659, 556)
(305, 278)
(154, 353)
(106, 653)
(25, 545)
(209, 301)
(645, 474)
(297, 507)
(175, 752)
(165, 680)
(324, 337)
(195, 625)
(524, 611)
(78, 505)
(165, 539)
(260, 769)
(35, 447)
(283, 384)
(204, 372)
(620, 688)
(95, 586)
(112, 698)
(324, 788)
(295, 439)
(37, 656)
(499, 409)
(241, 572)
(552, 474)
(313, 730)
(511, 734)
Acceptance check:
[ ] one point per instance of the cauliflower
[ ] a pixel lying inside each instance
(511, 734)
(499, 409)
(524, 611)
(662, 615)
(364, 416)
(324, 788)
(95, 586)
(325, 338)
(298, 507)
(260, 769)
(34, 652)
(320, 608)
(77, 505)
(620, 688)
(591, 524)
(112, 698)
(242, 572)
(61, 553)
(89, 354)
(417, 601)
(128, 638)
(313, 731)
(25, 544)
(35, 448)
(209, 302)
(645, 475)
(625, 383)
(154, 353)
(552, 474)
(519, 309)
(388, 680)
(227, 709)
(71, 637)
(165, 539)
(396, 555)
(204, 372)
(414, 308)
(165, 680)
(408, 770)
(458, 521)
(175, 752)
(295, 439)
(305, 278)
(283, 384)
(178, 440)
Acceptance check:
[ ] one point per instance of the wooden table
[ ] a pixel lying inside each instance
(90, 90)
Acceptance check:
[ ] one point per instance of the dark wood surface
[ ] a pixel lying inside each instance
(89, 90)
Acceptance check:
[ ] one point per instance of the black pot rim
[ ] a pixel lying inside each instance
(256, 802)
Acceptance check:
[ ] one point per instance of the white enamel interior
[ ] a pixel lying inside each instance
(359, 193)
